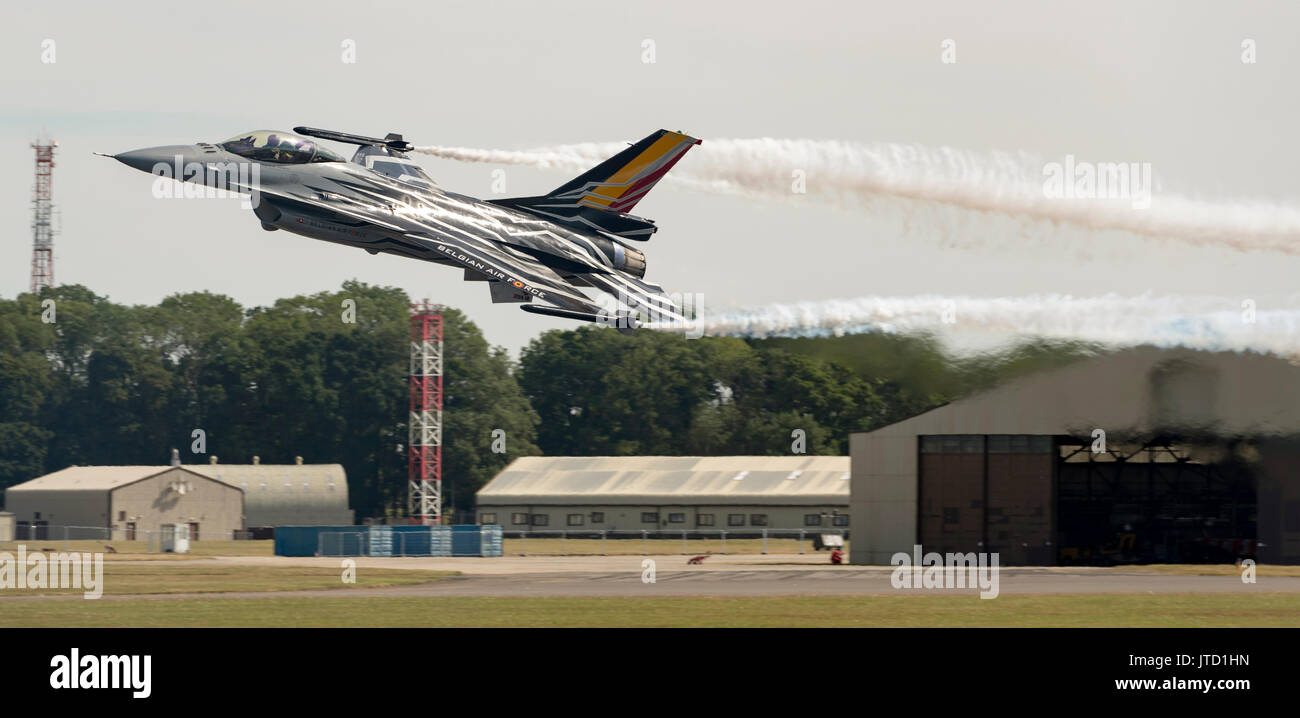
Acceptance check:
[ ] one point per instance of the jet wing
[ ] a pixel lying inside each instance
(425, 236)
(499, 262)
(496, 261)
(648, 297)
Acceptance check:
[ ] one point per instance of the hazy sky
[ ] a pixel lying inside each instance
(1158, 82)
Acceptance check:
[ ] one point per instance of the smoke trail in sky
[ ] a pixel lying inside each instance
(1215, 323)
(856, 174)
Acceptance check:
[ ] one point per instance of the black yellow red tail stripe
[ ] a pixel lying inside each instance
(619, 182)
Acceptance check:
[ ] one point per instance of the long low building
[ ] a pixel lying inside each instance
(615, 493)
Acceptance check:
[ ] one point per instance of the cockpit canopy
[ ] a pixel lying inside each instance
(280, 147)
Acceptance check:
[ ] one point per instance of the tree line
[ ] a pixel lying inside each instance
(87, 381)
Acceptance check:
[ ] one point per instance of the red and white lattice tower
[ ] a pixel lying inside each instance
(425, 488)
(42, 217)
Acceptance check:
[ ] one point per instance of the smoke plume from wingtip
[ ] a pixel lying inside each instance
(857, 174)
(977, 323)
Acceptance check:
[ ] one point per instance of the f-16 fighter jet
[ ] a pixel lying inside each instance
(544, 249)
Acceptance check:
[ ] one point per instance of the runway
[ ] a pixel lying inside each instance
(738, 576)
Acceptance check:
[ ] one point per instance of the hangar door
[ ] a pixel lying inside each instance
(988, 493)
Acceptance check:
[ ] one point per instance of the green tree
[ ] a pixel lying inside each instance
(599, 392)
(480, 397)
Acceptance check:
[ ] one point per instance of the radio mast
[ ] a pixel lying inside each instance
(42, 215)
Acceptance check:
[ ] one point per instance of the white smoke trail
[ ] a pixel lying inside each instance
(855, 174)
(967, 323)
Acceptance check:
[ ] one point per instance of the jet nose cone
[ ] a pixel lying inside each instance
(143, 160)
(146, 160)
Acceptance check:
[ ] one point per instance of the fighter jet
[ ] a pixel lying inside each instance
(545, 248)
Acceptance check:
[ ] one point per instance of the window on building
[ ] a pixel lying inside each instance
(121, 516)
(519, 519)
(36, 516)
(704, 519)
(649, 517)
(486, 519)
(952, 444)
(598, 517)
(540, 519)
(735, 519)
(758, 519)
(812, 519)
(574, 519)
(841, 520)
(1019, 444)
(676, 518)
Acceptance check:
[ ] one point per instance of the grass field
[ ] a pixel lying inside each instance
(131, 579)
(1120, 610)
(139, 550)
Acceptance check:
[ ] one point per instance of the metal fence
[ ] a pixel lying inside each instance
(433, 541)
(557, 542)
(548, 542)
(129, 538)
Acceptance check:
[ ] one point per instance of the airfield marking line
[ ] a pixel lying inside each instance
(732, 583)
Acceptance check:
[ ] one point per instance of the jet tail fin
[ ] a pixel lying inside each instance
(602, 196)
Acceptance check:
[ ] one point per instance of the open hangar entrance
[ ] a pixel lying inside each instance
(1049, 500)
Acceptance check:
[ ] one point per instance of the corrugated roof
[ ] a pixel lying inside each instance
(630, 480)
(1137, 393)
(274, 494)
(317, 477)
(299, 475)
(286, 494)
(89, 478)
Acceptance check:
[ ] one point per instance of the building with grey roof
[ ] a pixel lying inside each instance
(1144, 455)
(735, 493)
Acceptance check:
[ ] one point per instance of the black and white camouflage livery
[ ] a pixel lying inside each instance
(544, 249)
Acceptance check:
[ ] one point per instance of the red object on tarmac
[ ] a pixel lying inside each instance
(837, 557)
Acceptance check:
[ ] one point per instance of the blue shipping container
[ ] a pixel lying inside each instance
(400, 540)
(305, 540)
